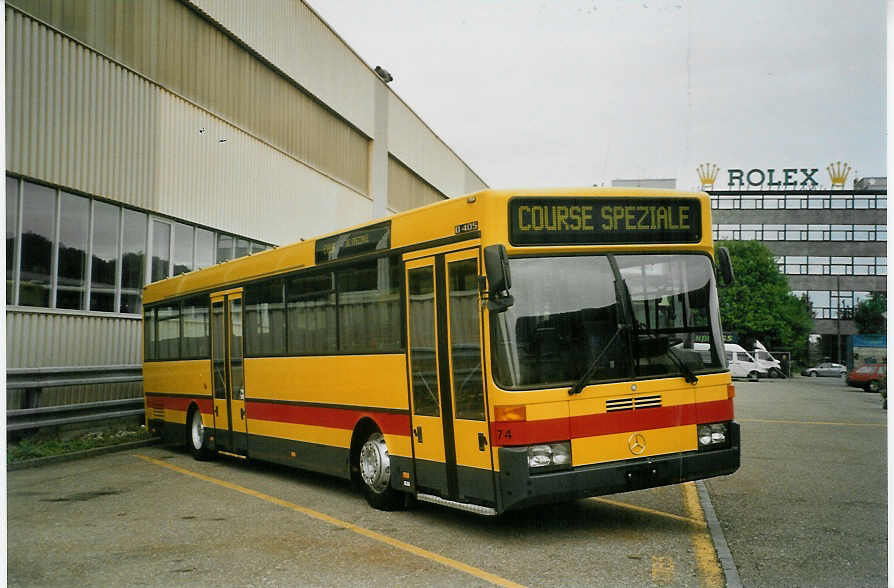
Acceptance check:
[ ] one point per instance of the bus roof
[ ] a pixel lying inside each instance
(440, 221)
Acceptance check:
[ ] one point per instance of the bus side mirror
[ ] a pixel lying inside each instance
(496, 266)
(725, 265)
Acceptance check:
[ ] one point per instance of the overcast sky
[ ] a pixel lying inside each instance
(567, 92)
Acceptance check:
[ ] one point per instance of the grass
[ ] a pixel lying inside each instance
(43, 445)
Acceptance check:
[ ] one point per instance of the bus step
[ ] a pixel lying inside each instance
(482, 510)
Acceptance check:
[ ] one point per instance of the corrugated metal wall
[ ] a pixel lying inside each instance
(290, 35)
(43, 338)
(406, 190)
(296, 40)
(414, 144)
(175, 47)
(171, 115)
(75, 119)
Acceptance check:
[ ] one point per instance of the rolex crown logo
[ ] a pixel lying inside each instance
(707, 174)
(838, 173)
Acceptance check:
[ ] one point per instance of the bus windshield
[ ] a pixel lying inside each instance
(566, 313)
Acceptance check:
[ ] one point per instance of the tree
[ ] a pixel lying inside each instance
(759, 304)
(868, 314)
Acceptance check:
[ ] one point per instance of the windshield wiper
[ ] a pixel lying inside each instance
(688, 374)
(594, 365)
(622, 297)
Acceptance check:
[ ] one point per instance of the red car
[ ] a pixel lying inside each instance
(869, 377)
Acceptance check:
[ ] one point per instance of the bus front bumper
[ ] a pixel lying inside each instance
(518, 488)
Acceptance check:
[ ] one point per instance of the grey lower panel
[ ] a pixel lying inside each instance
(476, 486)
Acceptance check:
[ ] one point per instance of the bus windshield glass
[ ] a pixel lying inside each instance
(566, 313)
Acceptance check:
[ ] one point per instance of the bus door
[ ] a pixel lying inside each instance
(451, 442)
(227, 372)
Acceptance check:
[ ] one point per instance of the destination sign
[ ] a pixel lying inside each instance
(603, 221)
(353, 243)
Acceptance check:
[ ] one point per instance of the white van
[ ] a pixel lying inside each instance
(767, 361)
(742, 364)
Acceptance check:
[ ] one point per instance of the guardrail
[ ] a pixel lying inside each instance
(34, 380)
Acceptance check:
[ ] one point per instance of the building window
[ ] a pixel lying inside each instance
(161, 250)
(834, 201)
(204, 248)
(65, 250)
(12, 221)
(795, 265)
(104, 256)
(133, 260)
(800, 232)
(184, 248)
(38, 233)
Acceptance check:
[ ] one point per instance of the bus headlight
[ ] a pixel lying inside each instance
(712, 436)
(549, 456)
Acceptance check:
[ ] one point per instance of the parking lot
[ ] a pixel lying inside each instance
(808, 507)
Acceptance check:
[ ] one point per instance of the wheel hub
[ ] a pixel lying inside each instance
(198, 430)
(375, 464)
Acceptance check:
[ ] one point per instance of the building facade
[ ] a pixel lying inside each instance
(147, 139)
(830, 243)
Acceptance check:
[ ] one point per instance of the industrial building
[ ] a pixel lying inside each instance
(147, 139)
(829, 243)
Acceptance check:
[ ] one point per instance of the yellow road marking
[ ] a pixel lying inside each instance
(705, 556)
(812, 423)
(452, 563)
(690, 520)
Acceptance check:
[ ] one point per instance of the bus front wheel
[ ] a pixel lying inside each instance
(375, 472)
(195, 435)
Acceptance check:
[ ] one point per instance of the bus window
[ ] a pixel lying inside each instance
(311, 310)
(218, 349)
(468, 385)
(423, 354)
(195, 328)
(369, 307)
(168, 318)
(265, 325)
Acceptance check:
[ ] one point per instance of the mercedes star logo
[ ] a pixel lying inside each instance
(636, 443)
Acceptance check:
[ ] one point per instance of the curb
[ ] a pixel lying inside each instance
(723, 553)
(42, 461)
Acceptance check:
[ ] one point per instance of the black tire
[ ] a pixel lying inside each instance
(196, 438)
(812, 374)
(374, 465)
(872, 386)
(753, 376)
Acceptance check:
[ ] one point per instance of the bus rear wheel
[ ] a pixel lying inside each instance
(375, 472)
(195, 435)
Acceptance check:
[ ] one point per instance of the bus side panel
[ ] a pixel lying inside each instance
(302, 411)
(170, 388)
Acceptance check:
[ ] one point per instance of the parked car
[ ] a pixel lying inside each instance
(825, 369)
(869, 377)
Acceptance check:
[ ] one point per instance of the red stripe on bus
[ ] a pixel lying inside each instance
(562, 429)
(178, 402)
(321, 416)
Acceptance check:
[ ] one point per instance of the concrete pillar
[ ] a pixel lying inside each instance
(379, 157)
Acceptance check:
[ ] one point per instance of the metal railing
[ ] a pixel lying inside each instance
(34, 380)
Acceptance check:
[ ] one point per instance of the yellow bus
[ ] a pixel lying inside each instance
(488, 353)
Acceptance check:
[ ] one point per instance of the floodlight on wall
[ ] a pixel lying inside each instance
(383, 73)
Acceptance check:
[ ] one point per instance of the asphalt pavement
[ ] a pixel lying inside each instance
(807, 508)
(809, 505)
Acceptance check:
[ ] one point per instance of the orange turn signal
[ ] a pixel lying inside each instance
(730, 391)
(510, 413)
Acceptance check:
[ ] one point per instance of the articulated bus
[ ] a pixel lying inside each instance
(490, 352)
